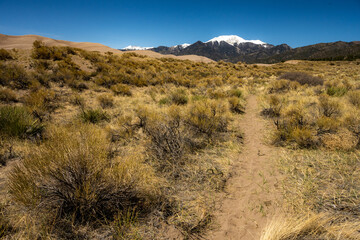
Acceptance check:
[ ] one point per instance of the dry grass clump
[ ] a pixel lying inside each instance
(302, 78)
(106, 100)
(179, 97)
(354, 98)
(315, 226)
(7, 95)
(322, 182)
(283, 85)
(121, 89)
(71, 178)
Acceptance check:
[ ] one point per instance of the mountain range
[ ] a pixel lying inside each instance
(233, 48)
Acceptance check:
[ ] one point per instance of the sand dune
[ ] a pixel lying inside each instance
(26, 41)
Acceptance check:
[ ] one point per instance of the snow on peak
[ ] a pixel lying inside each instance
(185, 45)
(233, 39)
(136, 48)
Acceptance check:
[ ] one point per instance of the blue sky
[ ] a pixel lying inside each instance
(153, 23)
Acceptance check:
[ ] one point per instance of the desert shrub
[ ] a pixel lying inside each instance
(179, 97)
(106, 100)
(70, 176)
(302, 78)
(42, 100)
(121, 89)
(282, 85)
(352, 123)
(5, 55)
(304, 137)
(94, 116)
(18, 122)
(78, 100)
(236, 105)
(167, 139)
(14, 76)
(236, 93)
(329, 107)
(354, 98)
(327, 125)
(7, 95)
(78, 85)
(208, 116)
(336, 91)
(275, 107)
(41, 51)
(216, 93)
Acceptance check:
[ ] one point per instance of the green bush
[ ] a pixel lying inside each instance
(18, 122)
(94, 116)
(336, 91)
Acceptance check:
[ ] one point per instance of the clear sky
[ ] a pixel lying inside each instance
(153, 23)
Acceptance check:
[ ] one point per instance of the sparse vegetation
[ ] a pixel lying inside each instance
(129, 143)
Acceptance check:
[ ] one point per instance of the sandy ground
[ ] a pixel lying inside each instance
(252, 192)
(26, 41)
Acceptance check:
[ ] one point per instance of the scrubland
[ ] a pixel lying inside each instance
(129, 147)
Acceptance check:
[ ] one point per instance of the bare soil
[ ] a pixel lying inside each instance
(252, 192)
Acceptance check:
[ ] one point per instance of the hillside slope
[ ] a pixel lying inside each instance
(26, 41)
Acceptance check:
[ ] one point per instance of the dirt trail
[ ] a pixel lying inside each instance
(252, 190)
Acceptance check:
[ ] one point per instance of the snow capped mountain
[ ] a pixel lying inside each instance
(129, 48)
(233, 39)
(185, 45)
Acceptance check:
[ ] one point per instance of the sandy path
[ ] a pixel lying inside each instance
(252, 191)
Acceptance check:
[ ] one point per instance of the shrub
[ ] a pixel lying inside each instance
(208, 117)
(121, 89)
(41, 100)
(18, 122)
(236, 106)
(106, 100)
(167, 139)
(302, 78)
(282, 85)
(275, 106)
(179, 97)
(40, 51)
(5, 55)
(304, 137)
(354, 98)
(14, 76)
(235, 93)
(7, 95)
(94, 116)
(329, 107)
(327, 125)
(70, 177)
